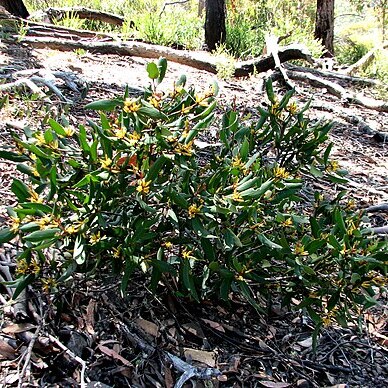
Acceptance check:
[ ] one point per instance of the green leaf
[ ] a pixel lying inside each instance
(21, 284)
(41, 235)
(178, 199)
(269, 90)
(79, 254)
(188, 280)
(152, 70)
(162, 67)
(13, 156)
(340, 223)
(6, 235)
(181, 81)
(106, 105)
(266, 241)
(55, 126)
(244, 150)
(257, 193)
(208, 249)
(130, 266)
(20, 190)
(149, 111)
(155, 168)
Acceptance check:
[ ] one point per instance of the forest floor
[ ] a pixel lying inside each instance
(128, 342)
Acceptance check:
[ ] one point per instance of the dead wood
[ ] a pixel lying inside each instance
(380, 230)
(382, 207)
(363, 127)
(271, 42)
(334, 75)
(55, 14)
(339, 91)
(365, 61)
(198, 60)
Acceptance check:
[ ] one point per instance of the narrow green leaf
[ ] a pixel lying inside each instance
(6, 235)
(106, 105)
(41, 235)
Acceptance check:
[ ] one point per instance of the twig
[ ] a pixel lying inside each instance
(380, 230)
(28, 352)
(382, 207)
(73, 356)
(190, 371)
(172, 3)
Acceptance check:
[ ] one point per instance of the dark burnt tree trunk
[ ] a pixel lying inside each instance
(15, 7)
(215, 28)
(324, 25)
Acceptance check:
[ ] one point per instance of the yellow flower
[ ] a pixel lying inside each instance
(184, 149)
(186, 254)
(332, 166)
(186, 109)
(274, 109)
(23, 268)
(154, 102)
(95, 238)
(74, 227)
(299, 250)
(143, 186)
(292, 107)
(44, 222)
(119, 132)
(33, 157)
(40, 140)
(200, 99)
(280, 172)
(131, 106)
(35, 172)
(134, 138)
(34, 197)
(15, 224)
(194, 210)
(105, 163)
(287, 222)
(236, 162)
(116, 253)
(168, 244)
(236, 196)
(48, 284)
(53, 145)
(69, 131)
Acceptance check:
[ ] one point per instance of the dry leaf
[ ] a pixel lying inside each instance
(111, 353)
(89, 317)
(272, 384)
(307, 343)
(6, 351)
(208, 358)
(194, 329)
(148, 327)
(214, 325)
(15, 328)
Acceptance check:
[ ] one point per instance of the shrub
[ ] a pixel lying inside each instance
(138, 191)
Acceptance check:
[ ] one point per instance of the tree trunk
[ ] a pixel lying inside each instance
(215, 29)
(15, 7)
(324, 25)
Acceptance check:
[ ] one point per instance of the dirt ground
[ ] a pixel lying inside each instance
(131, 342)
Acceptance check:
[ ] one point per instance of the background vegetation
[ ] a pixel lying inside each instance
(359, 26)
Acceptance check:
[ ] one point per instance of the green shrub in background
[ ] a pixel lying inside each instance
(139, 191)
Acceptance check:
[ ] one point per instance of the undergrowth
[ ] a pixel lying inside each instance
(136, 191)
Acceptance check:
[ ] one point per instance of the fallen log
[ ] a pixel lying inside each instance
(199, 60)
(334, 75)
(339, 91)
(365, 61)
(56, 14)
